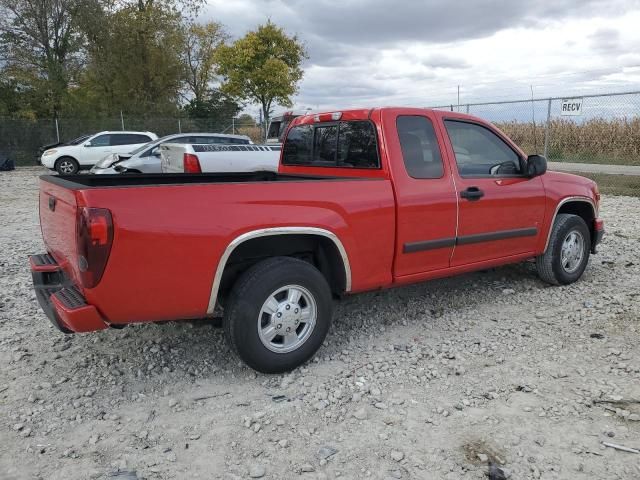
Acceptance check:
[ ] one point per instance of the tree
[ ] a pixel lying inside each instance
(216, 107)
(263, 67)
(134, 59)
(41, 45)
(245, 120)
(200, 47)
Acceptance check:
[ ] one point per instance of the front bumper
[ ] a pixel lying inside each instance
(598, 234)
(102, 171)
(61, 300)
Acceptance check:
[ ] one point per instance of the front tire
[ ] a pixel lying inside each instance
(568, 251)
(67, 166)
(278, 314)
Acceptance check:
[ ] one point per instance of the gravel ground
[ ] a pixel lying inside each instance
(430, 381)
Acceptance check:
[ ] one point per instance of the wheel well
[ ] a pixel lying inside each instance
(65, 157)
(581, 209)
(317, 250)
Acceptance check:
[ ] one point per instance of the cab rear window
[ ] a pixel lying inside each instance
(336, 144)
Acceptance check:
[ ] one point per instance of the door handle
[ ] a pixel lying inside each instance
(472, 194)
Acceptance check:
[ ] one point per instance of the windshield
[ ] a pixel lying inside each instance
(143, 147)
(78, 140)
(151, 144)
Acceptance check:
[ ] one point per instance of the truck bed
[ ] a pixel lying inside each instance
(178, 226)
(84, 182)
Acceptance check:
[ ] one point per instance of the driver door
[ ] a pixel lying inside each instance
(500, 209)
(96, 149)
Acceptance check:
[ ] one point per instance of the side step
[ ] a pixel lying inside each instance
(70, 297)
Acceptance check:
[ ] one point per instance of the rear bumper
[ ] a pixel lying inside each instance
(60, 299)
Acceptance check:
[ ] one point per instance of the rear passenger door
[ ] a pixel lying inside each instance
(425, 195)
(126, 142)
(500, 209)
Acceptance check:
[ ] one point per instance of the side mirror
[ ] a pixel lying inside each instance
(88, 144)
(536, 165)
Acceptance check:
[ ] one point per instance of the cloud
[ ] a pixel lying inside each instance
(605, 40)
(418, 51)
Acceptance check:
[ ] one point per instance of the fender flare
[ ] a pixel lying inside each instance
(586, 200)
(266, 232)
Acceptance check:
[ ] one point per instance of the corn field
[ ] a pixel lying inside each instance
(615, 141)
(606, 130)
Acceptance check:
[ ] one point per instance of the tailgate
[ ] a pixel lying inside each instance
(58, 220)
(172, 155)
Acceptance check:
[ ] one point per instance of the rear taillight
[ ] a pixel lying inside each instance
(191, 163)
(95, 236)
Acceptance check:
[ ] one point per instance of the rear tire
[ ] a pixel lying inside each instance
(278, 314)
(568, 251)
(67, 166)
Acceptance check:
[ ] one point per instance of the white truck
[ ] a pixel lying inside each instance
(279, 123)
(196, 158)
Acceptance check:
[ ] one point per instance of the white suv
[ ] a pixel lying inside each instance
(68, 159)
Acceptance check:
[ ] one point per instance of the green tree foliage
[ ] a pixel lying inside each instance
(41, 44)
(216, 106)
(264, 66)
(246, 120)
(133, 59)
(199, 57)
(96, 58)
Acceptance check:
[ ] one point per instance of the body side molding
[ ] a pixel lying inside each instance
(468, 239)
(265, 232)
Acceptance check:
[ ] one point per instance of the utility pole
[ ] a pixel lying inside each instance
(458, 98)
(122, 119)
(547, 132)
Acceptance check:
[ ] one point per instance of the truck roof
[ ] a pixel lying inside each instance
(366, 113)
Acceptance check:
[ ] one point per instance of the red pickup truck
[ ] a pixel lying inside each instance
(363, 200)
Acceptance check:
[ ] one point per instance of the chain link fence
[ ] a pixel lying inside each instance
(22, 139)
(601, 128)
(596, 129)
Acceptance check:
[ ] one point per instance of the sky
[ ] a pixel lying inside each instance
(417, 52)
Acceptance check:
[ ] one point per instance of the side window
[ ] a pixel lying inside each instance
(298, 146)
(419, 145)
(480, 152)
(137, 138)
(324, 144)
(274, 130)
(357, 146)
(120, 139)
(128, 139)
(101, 141)
(347, 144)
